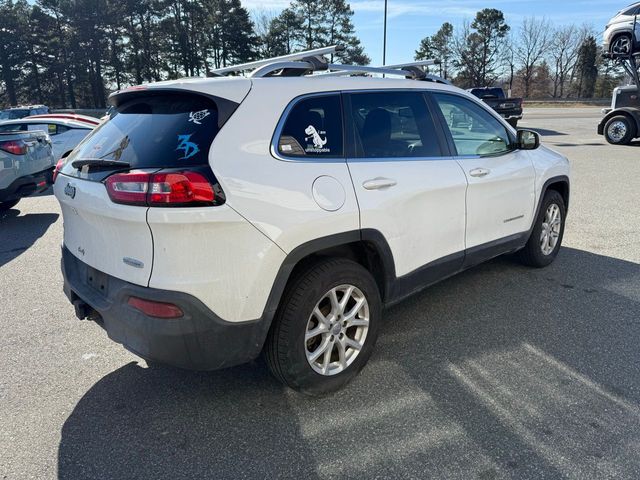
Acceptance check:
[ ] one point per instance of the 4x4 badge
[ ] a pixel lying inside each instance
(70, 190)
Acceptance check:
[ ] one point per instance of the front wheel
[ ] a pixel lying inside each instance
(619, 130)
(513, 122)
(546, 236)
(326, 327)
(622, 45)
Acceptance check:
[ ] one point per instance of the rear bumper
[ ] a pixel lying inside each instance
(197, 341)
(511, 115)
(27, 185)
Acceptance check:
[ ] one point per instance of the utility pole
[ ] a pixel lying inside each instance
(384, 40)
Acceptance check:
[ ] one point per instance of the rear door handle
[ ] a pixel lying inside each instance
(379, 183)
(479, 172)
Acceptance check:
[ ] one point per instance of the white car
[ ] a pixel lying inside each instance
(622, 33)
(65, 131)
(211, 219)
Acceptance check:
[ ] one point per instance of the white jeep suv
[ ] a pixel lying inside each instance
(209, 220)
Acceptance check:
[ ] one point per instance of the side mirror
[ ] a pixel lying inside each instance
(528, 140)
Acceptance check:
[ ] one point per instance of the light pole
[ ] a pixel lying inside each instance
(384, 40)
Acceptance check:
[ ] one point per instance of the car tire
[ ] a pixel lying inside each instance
(546, 237)
(291, 344)
(622, 45)
(513, 123)
(619, 130)
(4, 206)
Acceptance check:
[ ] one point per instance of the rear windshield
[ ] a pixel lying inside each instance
(171, 130)
(488, 92)
(13, 114)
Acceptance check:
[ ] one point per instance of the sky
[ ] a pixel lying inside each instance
(411, 20)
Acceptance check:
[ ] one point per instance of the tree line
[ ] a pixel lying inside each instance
(72, 53)
(535, 60)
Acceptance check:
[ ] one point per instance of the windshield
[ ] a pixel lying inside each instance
(13, 114)
(154, 131)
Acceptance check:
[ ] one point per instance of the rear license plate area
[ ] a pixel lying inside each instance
(97, 280)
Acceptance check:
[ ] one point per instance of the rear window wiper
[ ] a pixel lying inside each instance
(99, 163)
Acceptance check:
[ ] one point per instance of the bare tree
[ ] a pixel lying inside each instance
(564, 55)
(533, 44)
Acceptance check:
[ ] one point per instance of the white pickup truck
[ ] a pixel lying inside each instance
(26, 165)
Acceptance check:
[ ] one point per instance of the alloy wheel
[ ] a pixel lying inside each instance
(551, 226)
(336, 330)
(621, 46)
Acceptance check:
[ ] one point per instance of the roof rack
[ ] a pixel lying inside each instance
(318, 52)
(409, 70)
(311, 61)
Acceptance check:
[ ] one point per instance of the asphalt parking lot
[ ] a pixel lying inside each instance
(500, 372)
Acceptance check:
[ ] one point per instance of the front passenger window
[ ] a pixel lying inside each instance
(474, 130)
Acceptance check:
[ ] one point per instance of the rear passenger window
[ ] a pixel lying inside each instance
(393, 125)
(313, 128)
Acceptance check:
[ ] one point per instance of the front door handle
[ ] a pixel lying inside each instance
(379, 183)
(479, 172)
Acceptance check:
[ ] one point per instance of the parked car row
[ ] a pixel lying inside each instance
(30, 146)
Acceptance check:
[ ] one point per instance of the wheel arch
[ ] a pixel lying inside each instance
(560, 184)
(366, 247)
(619, 34)
(633, 114)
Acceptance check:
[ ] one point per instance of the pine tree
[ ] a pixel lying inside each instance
(587, 69)
(480, 51)
(285, 34)
(438, 47)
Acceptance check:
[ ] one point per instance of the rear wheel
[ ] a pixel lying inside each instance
(619, 130)
(513, 123)
(546, 236)
(4, 206)
(326, 327)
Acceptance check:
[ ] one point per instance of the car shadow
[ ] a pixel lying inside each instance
(543, 132)
(19, 233)
(502, 371)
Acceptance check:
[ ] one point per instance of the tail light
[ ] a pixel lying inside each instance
(155, 309)
(16, 147)
(56, 170)
(162, 189)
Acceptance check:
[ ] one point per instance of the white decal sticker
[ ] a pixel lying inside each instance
(318, 142)
(197, 117)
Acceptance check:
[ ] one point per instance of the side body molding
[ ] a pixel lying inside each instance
(395, 288)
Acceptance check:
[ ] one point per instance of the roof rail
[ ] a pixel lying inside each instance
(318, 52)
(410, 70)
(311, 61)
(302, 68)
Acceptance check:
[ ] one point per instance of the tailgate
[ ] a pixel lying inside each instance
(109, 237)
